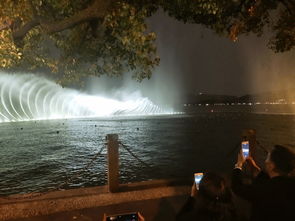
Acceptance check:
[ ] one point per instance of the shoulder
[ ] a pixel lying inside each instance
(290, 181)
(284, 183)
(284, 179)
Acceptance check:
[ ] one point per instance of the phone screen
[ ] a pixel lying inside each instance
(124, 217)
(198, 177)
(245, 148)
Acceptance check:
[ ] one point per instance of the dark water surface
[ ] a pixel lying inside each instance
(35, 157)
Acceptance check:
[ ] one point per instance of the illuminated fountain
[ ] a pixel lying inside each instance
(27, 97)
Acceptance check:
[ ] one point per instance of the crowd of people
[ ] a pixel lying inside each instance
(271, 191)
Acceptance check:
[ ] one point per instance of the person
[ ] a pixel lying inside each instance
(271, 193)
(210, 201)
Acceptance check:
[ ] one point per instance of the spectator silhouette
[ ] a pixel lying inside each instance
(211, 202)
(272, 193)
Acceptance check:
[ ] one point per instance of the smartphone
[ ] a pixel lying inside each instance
(198, 177)
(245, 148)
(124, 217)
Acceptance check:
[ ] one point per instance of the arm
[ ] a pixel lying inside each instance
(260, 178)
(188, 207)
(245, 191)
(189, 204)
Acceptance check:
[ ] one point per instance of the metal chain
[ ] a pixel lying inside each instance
(83, 169)
(58, 187)
(261, 146)
(92, 161)
(229, 153)
(132, 154)
(257, 142)
(145, 164)
(234, 149)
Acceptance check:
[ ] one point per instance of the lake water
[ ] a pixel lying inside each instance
(39, 155)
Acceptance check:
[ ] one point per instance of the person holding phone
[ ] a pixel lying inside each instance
(210, 199)
(271, 193)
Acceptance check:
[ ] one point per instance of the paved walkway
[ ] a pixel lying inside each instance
(154, 209)
(156, 200)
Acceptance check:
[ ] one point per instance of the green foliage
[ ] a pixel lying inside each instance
(119, 41)
(127, 40)
(284, 34)
(236, 17)
(10, 54)
(123, 43)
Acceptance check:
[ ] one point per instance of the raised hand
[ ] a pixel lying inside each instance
(240, 159)
(253, 166)
(194, 190)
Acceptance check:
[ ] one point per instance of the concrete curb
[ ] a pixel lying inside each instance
(61, 201)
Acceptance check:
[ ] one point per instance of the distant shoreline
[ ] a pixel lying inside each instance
(283, 109)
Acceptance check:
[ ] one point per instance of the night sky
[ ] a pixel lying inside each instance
(194, 59)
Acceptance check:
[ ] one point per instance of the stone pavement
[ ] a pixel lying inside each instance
(156, 200)
(154, 209)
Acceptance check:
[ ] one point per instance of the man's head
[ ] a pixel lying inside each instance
(280, 161)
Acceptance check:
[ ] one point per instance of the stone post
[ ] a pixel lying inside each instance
(113, 162)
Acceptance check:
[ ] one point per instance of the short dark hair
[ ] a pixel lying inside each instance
(211, 185)
(214, 199)
(283, 159)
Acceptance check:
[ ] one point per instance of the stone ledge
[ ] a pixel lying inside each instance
(74, 199)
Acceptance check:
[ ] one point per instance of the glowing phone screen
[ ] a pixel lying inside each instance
(198, 177)
(245, 148)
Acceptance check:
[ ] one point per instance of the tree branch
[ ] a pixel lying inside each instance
(21, 32)
(286, 6)
(96, 10)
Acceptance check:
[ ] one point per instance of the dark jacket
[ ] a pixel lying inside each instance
(201, 209)
(271, 198)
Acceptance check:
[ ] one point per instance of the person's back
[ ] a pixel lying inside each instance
(272, 194)
(212, 202)
(221, 209)
(275, 199)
